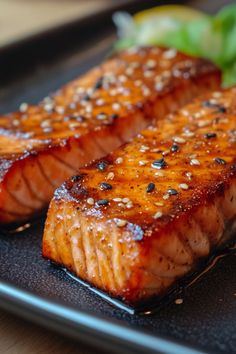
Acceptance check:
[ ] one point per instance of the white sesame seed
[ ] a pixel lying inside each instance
(178, 139)
(145, 91)
(179, 301)
(101, 116)
(189, 134)
(23, 107)
(15, 122)
(157, 215)
(129, 71)
(159, 86)
(189, 175)
(125, 200)
(45, 123)
(159, 174)
(90, 201)
(100, 102)
(148, 73)
(185, 112)
(122, 205)
(113, 92)
(48, 107)
(151, 63)
(110, 175)
(60, 109)
(122, 78)
(137, 83)
(170, 53)
(194, 162)
(119, 160)
(159, 203)
(203, 123)
(142, 162)
(144, 148)
(183, 186)
(117, 200)
(165, 153)
(116, 106)
(120, 222)
(217, 94)
(166, 196)
(129, 205)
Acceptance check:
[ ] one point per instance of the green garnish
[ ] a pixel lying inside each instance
(210, 37)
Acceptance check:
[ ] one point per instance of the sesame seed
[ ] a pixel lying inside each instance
(178, 139)
(116, 106)
(203, 123)
(189, 134)
(188, 175)
(60, 110)
(110, 175)
(216, 94)
(166, 196)
(220, 161)
(100, 102)
(125, 200)
(142, 162)
(159, 203)
(174, 148)
(157, 215)
(183, 186)
(105, 186)
(122, 205)
(120, 222)
(210, 135)
(179, 301)
(15, 122)
(172, 191)
(119, 160)
(146, 92)
(76, 178)
(159, 164)
(101, 116)
(150, 187)
(122, 78)
(159, 174)
(138, 83)
(165, 153)
(90, 201)
(194, 162)
(102, 165)
(117, 200)
(129, 205)
(170, 53)
(23, 107)
(148, 73)
(102, 202)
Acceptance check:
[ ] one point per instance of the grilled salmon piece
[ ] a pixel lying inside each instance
(41, 146)
(137, 221)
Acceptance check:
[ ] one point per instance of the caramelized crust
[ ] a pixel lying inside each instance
(134, 223)
(40, 146)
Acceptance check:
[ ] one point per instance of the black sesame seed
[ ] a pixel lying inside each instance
(76, 178)
(175, 148)
(102, 202)
(172, 191)
(209, 104)
(86, 97)
(220, 161)
(221, 109)
(114, 116)
(98, 84)
(150, 187)
(159, 163)
(210, 135)
(102, 166)
(105, 186)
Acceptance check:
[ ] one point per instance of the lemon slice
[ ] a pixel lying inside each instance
(176, 12)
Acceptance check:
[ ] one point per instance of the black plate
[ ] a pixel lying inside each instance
(33, 288)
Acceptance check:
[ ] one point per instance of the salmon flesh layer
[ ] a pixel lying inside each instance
(41, 146)
(134, 223)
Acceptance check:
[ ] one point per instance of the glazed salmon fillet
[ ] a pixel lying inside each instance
(42, 145)
(135, 223)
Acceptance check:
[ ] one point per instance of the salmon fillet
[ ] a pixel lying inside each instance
(41, 146)
(133, 224)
